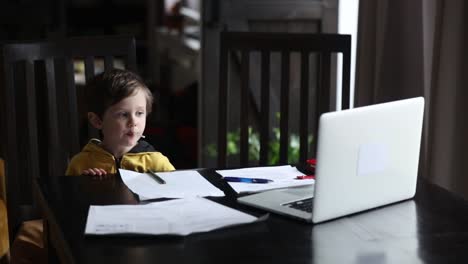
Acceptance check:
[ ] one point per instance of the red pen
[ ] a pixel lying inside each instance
(311, 162)
(304, 177)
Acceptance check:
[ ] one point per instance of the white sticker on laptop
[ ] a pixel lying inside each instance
(372, 158)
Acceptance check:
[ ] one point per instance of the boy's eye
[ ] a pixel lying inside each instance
(140, 113)
(122, 114)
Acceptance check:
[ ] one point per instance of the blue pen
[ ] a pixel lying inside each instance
(247, 180)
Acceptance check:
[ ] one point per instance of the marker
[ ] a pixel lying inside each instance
(156, 177)
(304, 177)
(247, 180)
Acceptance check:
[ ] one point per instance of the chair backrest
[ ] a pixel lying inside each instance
(295, 85)
(40, 108)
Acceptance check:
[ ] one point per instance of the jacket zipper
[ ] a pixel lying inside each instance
(117, 163)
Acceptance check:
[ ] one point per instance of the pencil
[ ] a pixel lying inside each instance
(156, 177)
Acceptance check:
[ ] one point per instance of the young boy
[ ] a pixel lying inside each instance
(119, 103)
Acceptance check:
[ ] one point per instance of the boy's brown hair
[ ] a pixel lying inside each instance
(110, 87)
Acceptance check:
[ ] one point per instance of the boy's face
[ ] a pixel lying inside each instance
(123, 124)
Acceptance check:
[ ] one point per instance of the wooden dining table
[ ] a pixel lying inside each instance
(431, 228)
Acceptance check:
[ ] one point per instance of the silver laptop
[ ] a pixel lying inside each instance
(366, 157)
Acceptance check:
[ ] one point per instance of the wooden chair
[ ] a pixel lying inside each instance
(4, 239)
(255, 96)
(40, 109)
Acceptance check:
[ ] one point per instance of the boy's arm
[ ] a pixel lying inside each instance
(81, 165)
(72, 170)
(161, 163)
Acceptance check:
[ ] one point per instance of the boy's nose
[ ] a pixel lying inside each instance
(132, 122)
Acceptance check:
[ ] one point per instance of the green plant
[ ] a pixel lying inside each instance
(232, 147)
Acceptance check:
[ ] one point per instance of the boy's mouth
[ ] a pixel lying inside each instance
(131, 134)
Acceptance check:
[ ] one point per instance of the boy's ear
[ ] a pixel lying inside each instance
(94, 120)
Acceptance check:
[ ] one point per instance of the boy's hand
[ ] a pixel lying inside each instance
(94, 172)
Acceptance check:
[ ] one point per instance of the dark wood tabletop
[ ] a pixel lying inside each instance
(431, 228)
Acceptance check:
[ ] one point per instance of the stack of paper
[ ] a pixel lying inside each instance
(179, 184)
(281, 176)
(174, 217)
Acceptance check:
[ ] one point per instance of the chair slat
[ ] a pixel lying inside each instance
(324, 83)
(323, 92)
(33, 162)
(89, 73)
(31, 166)
(73, 106)
(89, 67)
(56, 164)
(11, 151)
(108, 62)
(244, 110)
(346, 77)
(265, 107)
(222, 105)
(284, 108)
(304, 107)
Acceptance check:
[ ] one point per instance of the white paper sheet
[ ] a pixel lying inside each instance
(179, 184)
(174, 217)
(282, 176)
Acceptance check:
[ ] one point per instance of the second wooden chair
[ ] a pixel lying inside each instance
(263, 61)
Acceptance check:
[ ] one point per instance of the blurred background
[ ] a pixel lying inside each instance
(177, 51)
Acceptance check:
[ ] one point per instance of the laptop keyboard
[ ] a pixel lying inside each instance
(303, 205)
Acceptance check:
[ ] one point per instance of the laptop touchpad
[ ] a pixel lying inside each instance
(303, 191)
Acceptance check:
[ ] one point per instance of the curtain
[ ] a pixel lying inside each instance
(416, 48)
(389, 54)
(448, 129)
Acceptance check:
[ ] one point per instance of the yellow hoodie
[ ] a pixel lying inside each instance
(141, 158)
